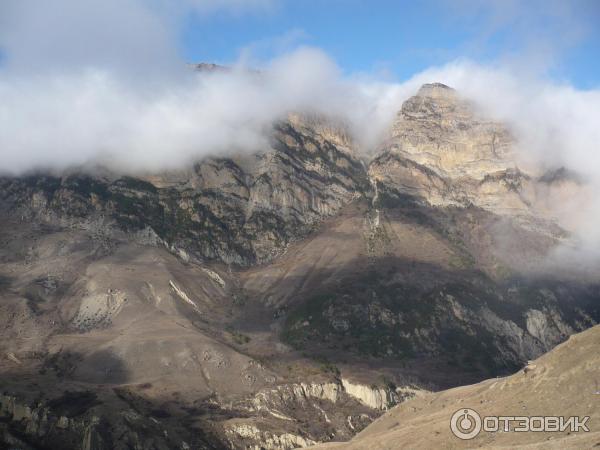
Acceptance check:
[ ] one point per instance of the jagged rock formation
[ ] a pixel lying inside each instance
(59, 424)
(243, 210)
(443, 152)
(282, 298)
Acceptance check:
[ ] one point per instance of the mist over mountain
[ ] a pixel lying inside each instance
(123, 97)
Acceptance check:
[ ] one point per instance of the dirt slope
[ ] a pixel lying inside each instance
(565, 381)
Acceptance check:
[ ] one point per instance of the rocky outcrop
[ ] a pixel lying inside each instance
(439, 130)
(241, 210)
(43, 425)
(298, 394)
(182, 295)
(371, 396)
(443, 152)
(292, 395)
(250, 437)
(548, 326)
(38, 423)
(341, 406)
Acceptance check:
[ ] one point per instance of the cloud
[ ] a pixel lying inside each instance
(129, 37)
(232, 6)
(125, 36)
(256, 52)
(59, 120)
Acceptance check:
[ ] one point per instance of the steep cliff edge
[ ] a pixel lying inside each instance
(242, 210)
(443, 151)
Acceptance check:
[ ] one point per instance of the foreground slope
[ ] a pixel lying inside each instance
(563, 382)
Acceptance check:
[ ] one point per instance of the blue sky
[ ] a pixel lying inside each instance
(400, 38)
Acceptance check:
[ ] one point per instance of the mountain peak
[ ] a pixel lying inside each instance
(209, 67)
(435, 90)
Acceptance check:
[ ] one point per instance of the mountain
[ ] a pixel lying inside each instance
(282, 298)
(562, 382)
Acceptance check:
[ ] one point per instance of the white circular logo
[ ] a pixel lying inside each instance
(465, 424)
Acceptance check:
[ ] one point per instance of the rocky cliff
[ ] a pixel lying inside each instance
(242, 210)
(441, 150)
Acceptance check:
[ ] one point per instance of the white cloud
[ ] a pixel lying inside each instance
(125, 36)
(131, 37)
(59, 120)
(232, 6)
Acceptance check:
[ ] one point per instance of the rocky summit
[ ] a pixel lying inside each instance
(288, 297)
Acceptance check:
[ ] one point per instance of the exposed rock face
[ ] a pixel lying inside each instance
(297, 393)
(342, 407)
(31, 426)
(442, 152)
(439, 130)
(243, 210)
(373, 397)
(264, 439)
